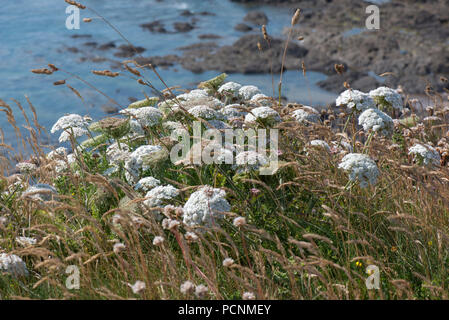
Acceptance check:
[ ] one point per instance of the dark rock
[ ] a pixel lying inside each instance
(155, 26)
(183, 26)
(127, 51)
(208, 36)
(243, 27)
(107, 46)
(257, 18)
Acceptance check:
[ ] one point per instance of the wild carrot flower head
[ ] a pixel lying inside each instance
(247, 92)
(355, 100)
(204, 206)
(14, 265)
(264, 114)
(230, 87)
(305, 116)
(147, 184)
(376, 120)
(386, 97)
(146, 116)
(361, 168)
(69, 121)
(160, 195)
(425, 154)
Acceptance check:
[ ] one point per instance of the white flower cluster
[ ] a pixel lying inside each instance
(26, 167)
(261, 99)
(72, 124)
(263, 113)
(138, 160)
(40, 191)
(361, 168)
(426, 154)
(230, 87)
(146, 116)
(157, 196)
(355, 100)
(248, 92)
(233, 111)
(193, 95)
(320, 144)
(306, 115)
(26, 241)
(14, 265)
(147, 183)
(205, 112)
(116, 154)
(204, 206)
(387, 97)
(250, 160)
(376, 120)
(69, 121)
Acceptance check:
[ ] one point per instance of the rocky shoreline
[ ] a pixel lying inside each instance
(410, 50)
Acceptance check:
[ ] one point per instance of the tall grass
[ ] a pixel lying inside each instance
(308, 233)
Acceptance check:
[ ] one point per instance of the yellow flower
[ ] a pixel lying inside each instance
(358, 264)
(429, 243)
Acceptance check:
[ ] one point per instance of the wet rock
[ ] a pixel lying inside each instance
(257, 18)
(243, 27)
(107, 46)
(209, 36)
(158, 61)
(127, 51)
(154, 26)
(183, 26)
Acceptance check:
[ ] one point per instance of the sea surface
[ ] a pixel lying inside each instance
(34, 33)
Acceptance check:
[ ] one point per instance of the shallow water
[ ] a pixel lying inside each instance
(33, 33)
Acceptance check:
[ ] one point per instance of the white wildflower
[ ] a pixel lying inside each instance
(239, 221)
(230, 87)
(58, 153)
(248, 296)
(74, 132)
(13, 265)
(138, 287)
(187, 288)
(69, 121)
(158, 195)
(116, 154)
(139, 159)
(228, 262)
(321, 144)
(250, 160)
(262, 100)
(26, 167)
(201, 291)
(376, 120)
(170, 224)
(146, 116)
(147, 183)
(425, 154)
(247, 92)
(26, 241)
(361, 168)
(355, 100)
(263, 113)
(191, 236)
(40, 191)
(193, 95)
(305, 116)
(387, 97)
(158, 240)
(204, 206)
(233, 111)
(119, 247)
(205, 112)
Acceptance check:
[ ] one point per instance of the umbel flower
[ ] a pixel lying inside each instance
(361, 168)
(146, 116)
(425, 154)
(306, 115)
(69, 121)
(387, 98)
(205, 206)
(14, 265)
(376, 120)
(147, 183)
(205, 112)
(247, 92)
(355, 100)
(230, 87)
(250, 160)
(263, 114)
(161, 194)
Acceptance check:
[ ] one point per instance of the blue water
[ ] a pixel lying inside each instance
(33, 33)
